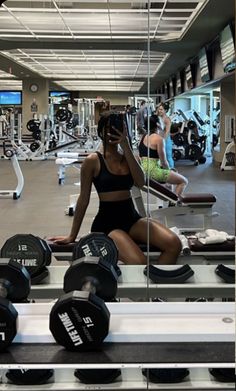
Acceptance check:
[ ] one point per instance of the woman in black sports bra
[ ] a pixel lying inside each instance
(113, 173)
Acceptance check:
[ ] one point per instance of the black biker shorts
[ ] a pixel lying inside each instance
(115, 215)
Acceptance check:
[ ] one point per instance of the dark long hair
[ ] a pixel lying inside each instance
(153, 121)
(165, 106)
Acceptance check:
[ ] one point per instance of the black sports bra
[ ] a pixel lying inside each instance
(106, 182)
(143, 150)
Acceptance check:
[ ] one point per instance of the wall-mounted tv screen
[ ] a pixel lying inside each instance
(178, 84)
(204, 66)
(189, 77)
(227, 48)
(172, 84)
(167, 92)
(60, 96)
(10, 98)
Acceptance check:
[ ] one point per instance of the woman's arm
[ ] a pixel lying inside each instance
(167, 123)
(161, 152)
(135, 168)
(86, 178)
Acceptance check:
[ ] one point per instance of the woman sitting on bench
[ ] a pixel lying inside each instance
(155, 163)
(113, 174)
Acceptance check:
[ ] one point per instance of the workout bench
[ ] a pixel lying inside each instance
(65, 160)
(189, 204)
(199, 253)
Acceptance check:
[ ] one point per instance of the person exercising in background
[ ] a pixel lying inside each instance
(164, 131)
(113, 173)
(154, 161)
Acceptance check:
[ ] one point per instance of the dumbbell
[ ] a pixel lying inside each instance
(79, 320)
(14, 286)
(31, 252)
(97, 376)
(165, 375)
(29, 376)
(224, 375)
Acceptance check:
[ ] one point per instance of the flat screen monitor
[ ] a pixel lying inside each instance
(178, 84)
(10, 98)
(60, 96)
(204, 66)
(167, 92)
(227, 48)
(172, 88)
(189, 77)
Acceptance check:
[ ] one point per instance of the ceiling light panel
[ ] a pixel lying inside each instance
(85, 85)
(92, 64)
(10, 85)
(6, 75)
(106, 19)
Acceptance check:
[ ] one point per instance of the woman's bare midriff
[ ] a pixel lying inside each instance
(115, 195)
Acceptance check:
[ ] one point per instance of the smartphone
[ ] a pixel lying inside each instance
(116, 121)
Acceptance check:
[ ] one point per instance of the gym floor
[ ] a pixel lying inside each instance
(41, 208)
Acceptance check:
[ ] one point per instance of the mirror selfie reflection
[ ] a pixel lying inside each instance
(117, 131)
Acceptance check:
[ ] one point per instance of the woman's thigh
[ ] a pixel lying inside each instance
(159, 235)
(129, 251)
(176, 178)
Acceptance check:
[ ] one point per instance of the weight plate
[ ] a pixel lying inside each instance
(63, 115)
(176, 154)
(36, 135)
(17, 278)
(28, 250)
(96, 244)
(191, 124)
(33, 125)
(92, 270)
(34, 147)
(178, 139)
(192, 152)
(79, 321)
(8, 317)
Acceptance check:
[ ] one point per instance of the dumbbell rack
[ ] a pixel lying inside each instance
(133, 284)
(142, 335)
(131, 379)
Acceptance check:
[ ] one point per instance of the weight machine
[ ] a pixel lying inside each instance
(228, 162)
(15, 194)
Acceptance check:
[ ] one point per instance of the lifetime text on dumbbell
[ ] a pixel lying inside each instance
(88, 252)
(70, 328)
(26, 262)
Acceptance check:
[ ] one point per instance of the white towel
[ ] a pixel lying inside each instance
(211, 236)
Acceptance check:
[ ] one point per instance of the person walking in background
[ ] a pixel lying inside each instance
(164, 131)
